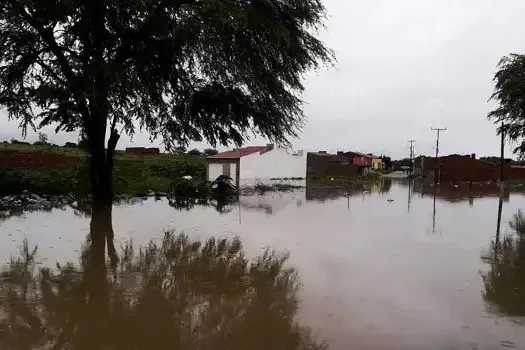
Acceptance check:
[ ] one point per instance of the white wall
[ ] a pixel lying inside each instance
(216, 169)
(277, 163)
(233, 173)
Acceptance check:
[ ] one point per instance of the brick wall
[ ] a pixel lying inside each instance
(15, 159)
(142, 150)
(458, 168)
(330, 165)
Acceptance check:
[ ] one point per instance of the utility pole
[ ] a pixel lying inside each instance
(437, 174)
(411, 156)
(502, 157)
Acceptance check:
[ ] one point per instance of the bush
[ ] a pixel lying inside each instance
(45, 181)
(210, 152)
(131, 175)
(194, 152)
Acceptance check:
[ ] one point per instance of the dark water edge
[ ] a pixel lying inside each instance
(386, 266)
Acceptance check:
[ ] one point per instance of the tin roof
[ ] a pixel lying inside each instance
(238, 153)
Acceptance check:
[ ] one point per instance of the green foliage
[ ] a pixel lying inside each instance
(132, 174)
(194, 152)
(509, 93)
(186, 70)
(210, 152)
(45, 181)
(177, 166)
(42, 138)
(387, 162)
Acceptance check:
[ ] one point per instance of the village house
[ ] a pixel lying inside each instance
(457, 168)
(365, 162)
(252, 164)
(360, 159)
(377, 163)
(326, 164)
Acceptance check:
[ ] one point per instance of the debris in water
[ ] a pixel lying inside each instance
(508, 344)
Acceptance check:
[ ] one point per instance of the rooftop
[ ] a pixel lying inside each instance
(238, 153)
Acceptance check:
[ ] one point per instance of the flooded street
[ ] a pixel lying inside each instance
(383, 268)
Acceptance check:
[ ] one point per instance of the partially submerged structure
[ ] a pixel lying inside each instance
(252, 164)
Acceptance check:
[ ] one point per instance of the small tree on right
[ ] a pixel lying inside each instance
(509, 94)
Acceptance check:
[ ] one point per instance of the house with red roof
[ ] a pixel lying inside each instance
(257, 164)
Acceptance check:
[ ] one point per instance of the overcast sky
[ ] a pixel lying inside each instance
(402, 67)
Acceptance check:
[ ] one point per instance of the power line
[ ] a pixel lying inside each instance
(437, 174)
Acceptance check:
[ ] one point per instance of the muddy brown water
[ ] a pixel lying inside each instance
(384, 268)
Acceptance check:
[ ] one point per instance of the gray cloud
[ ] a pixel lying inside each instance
(403, 66)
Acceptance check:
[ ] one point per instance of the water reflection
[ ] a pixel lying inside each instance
(223, 205)
(410, 188)
(434, 212)
(504, 283)
(178, 294)
(322, 192)
(460, 193)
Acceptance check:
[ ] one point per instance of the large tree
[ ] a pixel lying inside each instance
(184, 70)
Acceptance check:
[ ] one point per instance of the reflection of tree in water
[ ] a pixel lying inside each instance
(505, 281)
(179, 294)
(222, 205)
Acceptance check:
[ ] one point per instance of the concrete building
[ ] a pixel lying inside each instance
(326, 164)
(249, 165)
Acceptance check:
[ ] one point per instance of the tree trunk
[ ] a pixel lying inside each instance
(101, 164)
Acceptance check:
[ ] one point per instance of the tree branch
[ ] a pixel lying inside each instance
(121, 56)
(48, 38)
(50, 71)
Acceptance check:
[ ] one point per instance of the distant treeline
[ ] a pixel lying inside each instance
(397, 164)
(82, 143)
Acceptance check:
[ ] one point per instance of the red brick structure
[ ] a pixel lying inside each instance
(26, 160)
(142, 150)
(325, 164)
(458, 168)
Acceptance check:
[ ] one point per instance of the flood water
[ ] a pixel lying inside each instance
(392, 266)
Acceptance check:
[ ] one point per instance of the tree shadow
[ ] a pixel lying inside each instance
(180, 294)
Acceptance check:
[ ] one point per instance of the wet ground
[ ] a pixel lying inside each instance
(389, 266)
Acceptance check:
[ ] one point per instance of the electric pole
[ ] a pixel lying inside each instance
(502, 156)
(437, 174)
(411, 156)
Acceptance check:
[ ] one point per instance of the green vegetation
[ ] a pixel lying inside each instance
(133, 174)
(508, 95)
(514, 184)
(181, 71)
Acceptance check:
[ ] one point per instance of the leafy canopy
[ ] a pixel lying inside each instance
(186, 70)
(509, 93)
